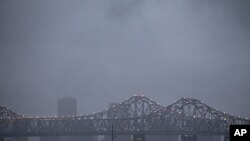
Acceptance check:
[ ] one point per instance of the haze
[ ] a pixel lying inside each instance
(102, 51)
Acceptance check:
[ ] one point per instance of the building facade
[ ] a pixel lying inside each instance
(67, 106)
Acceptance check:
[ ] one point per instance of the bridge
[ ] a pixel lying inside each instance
(138, 116)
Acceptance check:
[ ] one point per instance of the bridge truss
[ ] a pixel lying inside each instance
(136, 115)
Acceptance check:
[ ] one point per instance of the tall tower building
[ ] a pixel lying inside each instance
(67, 106)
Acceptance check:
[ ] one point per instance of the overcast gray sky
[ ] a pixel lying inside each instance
(102, 51)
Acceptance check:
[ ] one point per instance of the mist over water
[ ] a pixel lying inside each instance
(105, 51)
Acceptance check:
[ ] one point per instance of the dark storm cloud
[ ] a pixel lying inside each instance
(237, 10)
(104, 51)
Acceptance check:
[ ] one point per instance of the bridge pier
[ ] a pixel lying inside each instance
(139, 137)
(188, 137)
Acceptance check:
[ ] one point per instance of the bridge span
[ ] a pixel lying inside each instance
(138, 116)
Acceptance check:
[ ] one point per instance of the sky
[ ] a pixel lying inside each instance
(103, 51)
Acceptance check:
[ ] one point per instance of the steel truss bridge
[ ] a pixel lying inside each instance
(137, 115)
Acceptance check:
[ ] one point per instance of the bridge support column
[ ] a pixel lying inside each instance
(140, 137)
(188, 137)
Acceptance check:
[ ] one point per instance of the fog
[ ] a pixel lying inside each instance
(102, 51)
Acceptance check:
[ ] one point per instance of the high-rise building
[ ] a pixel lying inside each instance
(67, 106)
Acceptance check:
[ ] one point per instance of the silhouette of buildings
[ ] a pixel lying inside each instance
(67, 106)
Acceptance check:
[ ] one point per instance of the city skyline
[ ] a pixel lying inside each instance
(105, 51)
